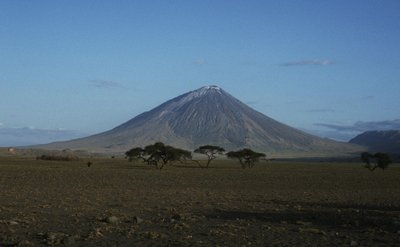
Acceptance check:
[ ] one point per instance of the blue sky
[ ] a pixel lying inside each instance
(71, 68)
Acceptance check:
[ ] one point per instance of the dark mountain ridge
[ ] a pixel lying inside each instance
(379, 141)
(208, 115)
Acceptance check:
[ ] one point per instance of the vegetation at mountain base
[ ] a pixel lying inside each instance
(136, 153)
(246, 157)
(211, 151)
(69, 157)
(377, 160)
(158, 154)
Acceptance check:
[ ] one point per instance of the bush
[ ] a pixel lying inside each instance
(68, 157)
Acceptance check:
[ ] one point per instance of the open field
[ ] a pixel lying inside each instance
(117, 203)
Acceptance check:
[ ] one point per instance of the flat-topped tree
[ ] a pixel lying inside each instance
(246, 157)
(177, 154)
(377, 160)
(159, 154)
(211, 152)
(136, 153)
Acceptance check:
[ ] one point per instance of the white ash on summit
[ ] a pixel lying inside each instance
(199, 93)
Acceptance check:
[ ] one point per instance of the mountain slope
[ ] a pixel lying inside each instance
(379, 141)
(208, 115)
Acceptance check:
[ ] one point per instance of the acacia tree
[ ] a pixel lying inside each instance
(158, 154)
(210, 151)
(177, 154)
(136, 153)
(377, 160)
(246, 157)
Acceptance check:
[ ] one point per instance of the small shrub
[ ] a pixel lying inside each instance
(68, 157)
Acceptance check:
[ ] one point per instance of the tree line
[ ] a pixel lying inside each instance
(159, 155)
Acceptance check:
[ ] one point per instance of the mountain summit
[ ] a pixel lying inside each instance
(208, 115)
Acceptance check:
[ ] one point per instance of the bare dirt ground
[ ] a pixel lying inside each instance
(117, 203)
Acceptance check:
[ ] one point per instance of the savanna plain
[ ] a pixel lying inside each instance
(119, 203)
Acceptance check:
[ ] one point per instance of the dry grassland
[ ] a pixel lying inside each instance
(117, 203)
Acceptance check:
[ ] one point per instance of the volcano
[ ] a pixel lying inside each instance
(208, 115)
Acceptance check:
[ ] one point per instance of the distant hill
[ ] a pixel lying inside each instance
(208, 115)
(379, 141)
